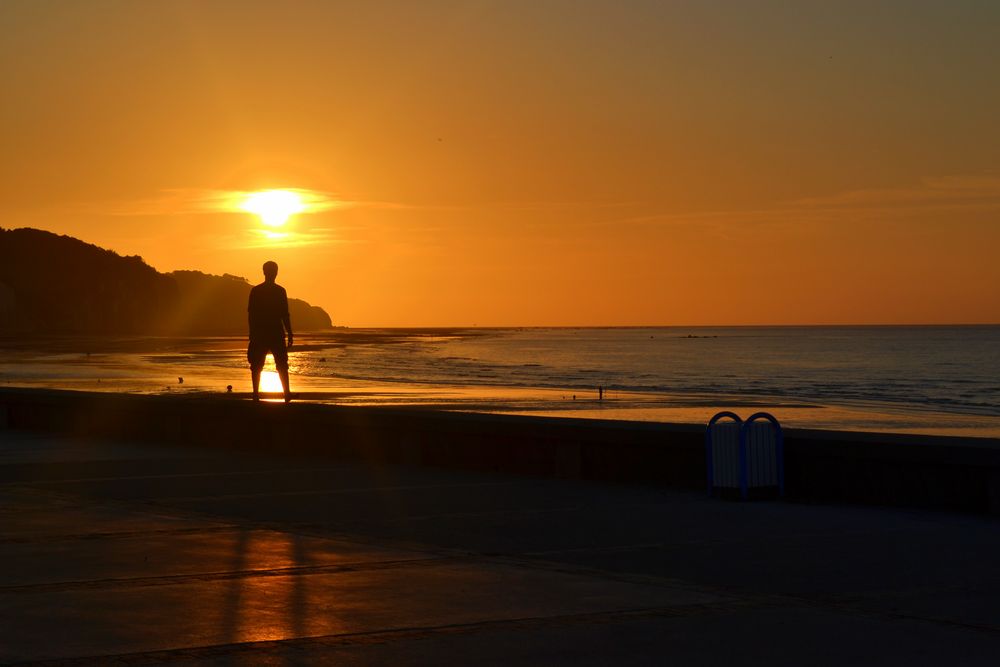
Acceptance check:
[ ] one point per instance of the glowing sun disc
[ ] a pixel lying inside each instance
(273, 207)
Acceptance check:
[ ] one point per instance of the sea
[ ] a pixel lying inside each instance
(917, 379)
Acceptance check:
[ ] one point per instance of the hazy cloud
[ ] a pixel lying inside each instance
(948, 191)
(187, 201)
(933, 194)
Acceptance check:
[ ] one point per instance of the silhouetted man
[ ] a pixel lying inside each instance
(267, 312)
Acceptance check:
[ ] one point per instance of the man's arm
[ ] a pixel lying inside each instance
(250, 309)
(286, 319)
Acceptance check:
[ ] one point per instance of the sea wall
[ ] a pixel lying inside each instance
(821, 466)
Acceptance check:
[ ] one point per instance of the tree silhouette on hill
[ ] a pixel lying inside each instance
(59, 284)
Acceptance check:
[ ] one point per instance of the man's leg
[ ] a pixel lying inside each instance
(255, 381)
(283, 374)
(280, 354)
(256, 361)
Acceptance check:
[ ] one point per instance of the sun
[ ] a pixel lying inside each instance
(273, 207)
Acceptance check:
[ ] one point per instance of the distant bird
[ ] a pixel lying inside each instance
(180, 380)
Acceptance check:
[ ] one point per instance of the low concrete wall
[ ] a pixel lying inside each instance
(821, 466)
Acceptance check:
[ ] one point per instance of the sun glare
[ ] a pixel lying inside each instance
(270, 382)
(273, 207)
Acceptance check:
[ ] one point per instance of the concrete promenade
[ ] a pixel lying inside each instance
(129, 553)
(920, 471)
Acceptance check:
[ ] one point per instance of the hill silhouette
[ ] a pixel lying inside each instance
(59, 284)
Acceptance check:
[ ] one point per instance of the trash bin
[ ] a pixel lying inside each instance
(722, 454)
(744, 459)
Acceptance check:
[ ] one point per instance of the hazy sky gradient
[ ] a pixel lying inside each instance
(529, 163)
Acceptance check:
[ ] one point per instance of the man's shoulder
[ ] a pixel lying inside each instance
(267, 287)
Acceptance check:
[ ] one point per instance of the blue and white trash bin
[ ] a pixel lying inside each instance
(745, 459)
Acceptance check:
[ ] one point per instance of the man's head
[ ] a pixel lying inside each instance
(270, 271)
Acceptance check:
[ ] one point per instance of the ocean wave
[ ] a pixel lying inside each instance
(948, 369)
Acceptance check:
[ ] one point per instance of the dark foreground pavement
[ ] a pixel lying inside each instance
(134, 554)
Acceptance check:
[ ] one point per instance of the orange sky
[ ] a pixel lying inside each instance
(528, 163)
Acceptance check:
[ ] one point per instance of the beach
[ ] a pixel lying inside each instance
(918, 380)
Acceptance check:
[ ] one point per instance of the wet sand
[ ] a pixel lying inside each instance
(209, 366)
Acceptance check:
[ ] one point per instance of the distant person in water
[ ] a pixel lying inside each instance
(267, 312)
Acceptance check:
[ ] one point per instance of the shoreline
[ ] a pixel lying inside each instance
(564, 403)
(938, 472)
(469, 371)
(317, 400)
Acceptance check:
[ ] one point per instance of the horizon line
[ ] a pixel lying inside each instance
(666, 326)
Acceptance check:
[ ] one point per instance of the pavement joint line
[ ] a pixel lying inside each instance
(470, 515)
(852, 605)
(370, 565)
(621, 547)
(936, 620)
(323, 531)
(121, 535)
(277, 494)
(799, 537)
(415, 517)
(186, 475)
(222, 522)
(327, 492)
(518, 511)
(175, 579)
(861, 597)
(869, 612)
(406, 633)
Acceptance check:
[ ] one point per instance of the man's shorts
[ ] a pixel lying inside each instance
(258, 350)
